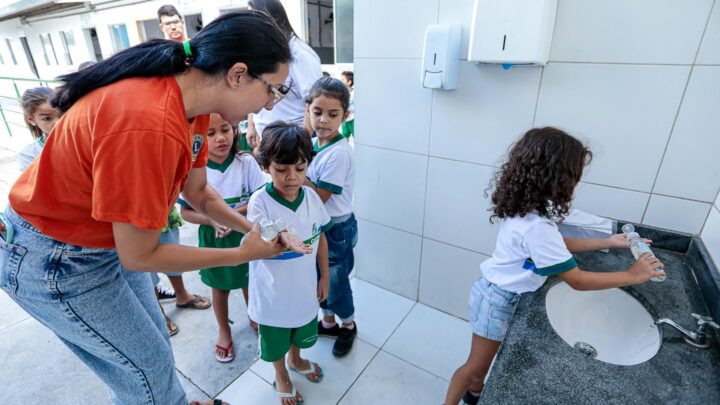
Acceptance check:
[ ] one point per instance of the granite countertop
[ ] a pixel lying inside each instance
(534, 365)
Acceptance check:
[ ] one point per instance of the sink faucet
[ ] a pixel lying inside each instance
(699, 338)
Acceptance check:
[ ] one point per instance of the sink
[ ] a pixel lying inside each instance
(609, 325)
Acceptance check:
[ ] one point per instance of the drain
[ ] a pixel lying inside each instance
(586, 349)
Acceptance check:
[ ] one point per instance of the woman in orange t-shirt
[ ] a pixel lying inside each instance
(87, 213)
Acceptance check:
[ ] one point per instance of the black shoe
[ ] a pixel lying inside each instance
(344, 341)
(164, 294)
(331, 332)
(470, 399)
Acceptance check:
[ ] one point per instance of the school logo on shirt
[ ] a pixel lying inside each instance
(196, 145)
(314, 229)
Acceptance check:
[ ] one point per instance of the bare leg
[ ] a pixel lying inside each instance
(182, 296)
(253, 324)
(283, 383)
(220, 297)
(471, 374)
(170, 325)
(329, 318)
(297, 362)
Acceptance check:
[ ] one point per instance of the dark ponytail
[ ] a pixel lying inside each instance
(245, 36)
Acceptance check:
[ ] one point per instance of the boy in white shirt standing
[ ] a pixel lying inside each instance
(285, 291)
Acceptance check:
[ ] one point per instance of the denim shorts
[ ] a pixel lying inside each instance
(491, 308)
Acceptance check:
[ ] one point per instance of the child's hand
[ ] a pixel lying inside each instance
(292, 242)
(221, 231)
(254, 246)
(323, 288)
(620, 241)
(644, 268)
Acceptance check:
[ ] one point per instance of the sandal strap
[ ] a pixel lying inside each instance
(314, 369)
(291, 394)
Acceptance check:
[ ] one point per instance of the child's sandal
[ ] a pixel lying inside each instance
(292, 394)
(314, 369)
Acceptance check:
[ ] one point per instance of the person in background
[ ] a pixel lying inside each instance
(348, 126)
(305, 69)
(171, 23)
(40, 118)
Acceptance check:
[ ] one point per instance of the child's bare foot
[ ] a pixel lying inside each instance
(254, 325)
(284, 390)
(307, 368)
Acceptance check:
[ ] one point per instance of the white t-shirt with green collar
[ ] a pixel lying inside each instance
(283, 289)
(333, 169)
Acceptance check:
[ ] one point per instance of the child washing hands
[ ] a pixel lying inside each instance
(533, 190)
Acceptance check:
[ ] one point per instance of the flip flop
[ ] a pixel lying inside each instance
(226, 350)
(195, 303)
(314, 369)
(292, 394)
(173, 331)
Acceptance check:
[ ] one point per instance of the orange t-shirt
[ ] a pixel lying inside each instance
(121, 153)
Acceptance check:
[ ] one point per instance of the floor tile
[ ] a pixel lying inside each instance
(389, 380)
(339, 373)
(11, 312)
(432, 340)
(378, 312)
(249, 389)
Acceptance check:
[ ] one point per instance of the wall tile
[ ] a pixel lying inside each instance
(638, 31)
(610, 202)
(456, 211)
(489, 110)
(390, 187)
(691, 168)
(676, 214)
(711, 235)
(624, 112)
(710, 49)
(458, 12)
(446, 275)
(395, 107)
(392, 29)
(388, 258)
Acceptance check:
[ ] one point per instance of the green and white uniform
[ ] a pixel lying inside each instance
(235, 180)
(283, 289)
(332, 169)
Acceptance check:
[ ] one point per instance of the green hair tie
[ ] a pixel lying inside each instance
(186, 46)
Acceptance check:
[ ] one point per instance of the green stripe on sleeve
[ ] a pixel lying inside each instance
(327, 226)
(557, 268)
(329, 186)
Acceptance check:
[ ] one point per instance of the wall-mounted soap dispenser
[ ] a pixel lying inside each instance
(515, 32)
(441, 57)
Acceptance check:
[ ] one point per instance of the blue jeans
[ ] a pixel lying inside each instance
(108, 316)
(171, 236)
(341, 239)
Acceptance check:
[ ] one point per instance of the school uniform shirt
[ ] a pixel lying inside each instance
(30, 152)
(333, 169)
(122, 153)
(283, 290)
(528, 250)
(304, 71)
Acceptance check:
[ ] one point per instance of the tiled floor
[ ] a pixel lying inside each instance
(405, 353)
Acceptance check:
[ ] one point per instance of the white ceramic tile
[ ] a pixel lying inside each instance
(390, 187)
(690, 168)
(610, 202)
(339, 373)
(392, 29)
(388, 258)
(711, 235)
(489, 110)
(393, 108)
(717, 201)
(456, 211)
(446, 275)
(389, 380)
(458, 12)
(10, 312)
(426, 328)
(378, 312)
(710, 49)
(624, 113)
(676, 214)
(638, 31)
(249, 389)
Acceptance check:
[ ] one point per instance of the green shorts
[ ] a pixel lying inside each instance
(275, 342)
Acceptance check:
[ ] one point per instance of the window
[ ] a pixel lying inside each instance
(68, 41)
(149, 29)
(48, 49)
(320, 29)
(12, 54)
(344, 31)
(119, 35)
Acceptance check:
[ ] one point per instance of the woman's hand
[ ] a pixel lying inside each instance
(620, 241)
(292, 242)
(256, 248)
(323, 289)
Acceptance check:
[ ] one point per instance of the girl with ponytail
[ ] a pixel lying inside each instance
(88, 215)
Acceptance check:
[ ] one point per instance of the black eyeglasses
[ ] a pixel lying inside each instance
(279, 92)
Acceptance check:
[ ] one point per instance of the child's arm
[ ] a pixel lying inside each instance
(194, 217)
(323, 263)
(324, 194)
(640, 272)
(617, 241)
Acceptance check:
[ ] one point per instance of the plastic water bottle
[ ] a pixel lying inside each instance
(638, 247)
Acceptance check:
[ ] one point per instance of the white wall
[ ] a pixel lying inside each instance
(637, 81)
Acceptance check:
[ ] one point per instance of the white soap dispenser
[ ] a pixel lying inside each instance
(441, 57)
